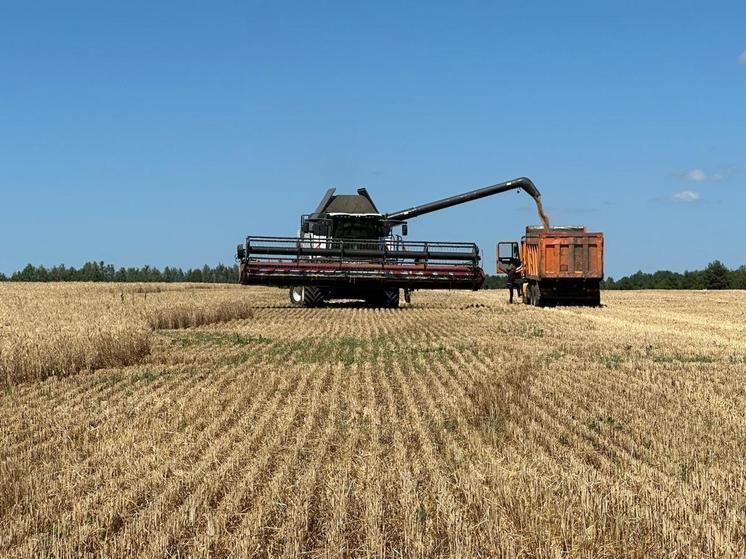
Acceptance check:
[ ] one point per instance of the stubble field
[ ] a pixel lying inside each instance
(163, 420)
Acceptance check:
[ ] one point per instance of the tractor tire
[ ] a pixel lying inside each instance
(391, 298)
(313, 297)
(296, 296)
(383, 299)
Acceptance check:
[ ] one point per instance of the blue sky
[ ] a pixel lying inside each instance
(163, 133)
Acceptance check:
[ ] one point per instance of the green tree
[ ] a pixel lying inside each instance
(738, 278)
(716, 276)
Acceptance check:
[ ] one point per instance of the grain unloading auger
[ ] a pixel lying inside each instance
(347, 249)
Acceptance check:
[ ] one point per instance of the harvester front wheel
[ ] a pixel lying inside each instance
(296, 296)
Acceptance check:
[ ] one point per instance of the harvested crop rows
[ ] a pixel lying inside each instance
(458, 426)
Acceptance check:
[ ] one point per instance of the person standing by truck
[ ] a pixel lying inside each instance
(514, 269)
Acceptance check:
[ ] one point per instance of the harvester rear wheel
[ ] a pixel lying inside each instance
(312, 297)
(391, 298)
(383, 298)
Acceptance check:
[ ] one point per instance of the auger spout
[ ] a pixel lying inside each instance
(522, 183)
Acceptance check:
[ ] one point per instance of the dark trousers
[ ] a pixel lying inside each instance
(516, 286)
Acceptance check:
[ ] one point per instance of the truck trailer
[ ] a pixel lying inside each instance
(558, 266)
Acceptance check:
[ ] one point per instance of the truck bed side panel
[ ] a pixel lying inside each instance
(556, 255)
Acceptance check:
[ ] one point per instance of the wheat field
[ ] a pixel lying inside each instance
(218, 421)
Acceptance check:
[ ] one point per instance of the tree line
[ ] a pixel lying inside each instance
(715, 276)
(100, 271)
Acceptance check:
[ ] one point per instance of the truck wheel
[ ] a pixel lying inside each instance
(296, 296)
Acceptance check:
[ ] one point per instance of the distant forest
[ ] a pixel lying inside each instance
(714, 276)
(100, 271)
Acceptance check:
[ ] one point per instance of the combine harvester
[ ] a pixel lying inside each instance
(347, 249)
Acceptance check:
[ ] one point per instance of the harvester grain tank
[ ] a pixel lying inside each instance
(561, 265)
(348, 249)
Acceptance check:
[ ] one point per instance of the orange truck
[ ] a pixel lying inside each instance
(557, 266)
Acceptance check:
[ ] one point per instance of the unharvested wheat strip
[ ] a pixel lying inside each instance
(173, 514)
(127, 499)
(253, 530)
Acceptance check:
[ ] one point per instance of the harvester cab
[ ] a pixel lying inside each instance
(348, 249)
